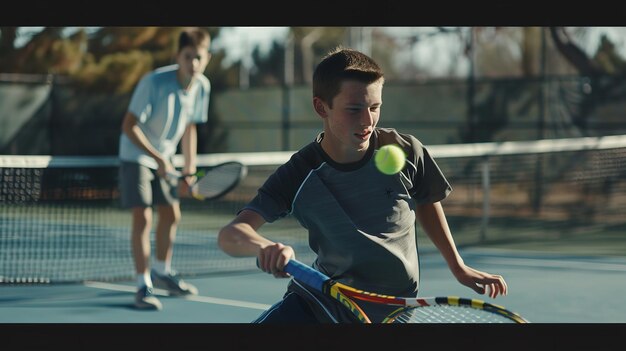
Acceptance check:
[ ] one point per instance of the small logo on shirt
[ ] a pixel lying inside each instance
(389, 192)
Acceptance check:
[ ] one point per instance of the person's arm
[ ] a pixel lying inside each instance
(190, 148)
(433, 221)
(136, 135)
(240, 238)
(189, 145)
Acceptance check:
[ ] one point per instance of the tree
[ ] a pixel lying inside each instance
(110, 59)
(605, 70)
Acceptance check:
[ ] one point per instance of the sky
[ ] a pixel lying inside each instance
(239, 42)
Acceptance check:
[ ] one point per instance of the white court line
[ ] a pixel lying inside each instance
(534, 262)
(556, 262)
(205, 299)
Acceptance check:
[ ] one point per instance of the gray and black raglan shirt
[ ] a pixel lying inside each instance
(361, 222)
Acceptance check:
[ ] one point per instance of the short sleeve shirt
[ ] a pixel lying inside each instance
(361, 222)
(163, 110)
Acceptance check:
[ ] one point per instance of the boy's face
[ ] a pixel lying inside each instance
(192, 60)
(349, 124)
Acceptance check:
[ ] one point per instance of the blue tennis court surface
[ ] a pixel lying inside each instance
(572, 302)
(544, 288)
(236, 298)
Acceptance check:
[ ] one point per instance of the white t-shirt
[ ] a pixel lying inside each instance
(163, 111)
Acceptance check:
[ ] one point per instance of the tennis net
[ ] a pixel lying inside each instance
(60, 219)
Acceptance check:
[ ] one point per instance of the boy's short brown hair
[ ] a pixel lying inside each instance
(343, 64)
(196, 37)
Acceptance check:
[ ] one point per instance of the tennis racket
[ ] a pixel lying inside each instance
(445, 309)
(215, 181)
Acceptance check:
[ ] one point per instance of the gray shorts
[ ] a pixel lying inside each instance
(140, 186)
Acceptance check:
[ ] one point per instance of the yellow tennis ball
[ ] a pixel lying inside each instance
(390, 159)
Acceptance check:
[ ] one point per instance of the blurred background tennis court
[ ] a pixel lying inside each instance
(549, 215)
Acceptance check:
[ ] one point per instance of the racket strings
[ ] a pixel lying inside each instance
(449, 314)
(218, 180)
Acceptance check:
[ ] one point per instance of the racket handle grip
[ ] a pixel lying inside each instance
(174, 174)
(306, 274)
(178, 174)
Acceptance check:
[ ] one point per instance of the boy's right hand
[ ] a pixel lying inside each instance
(165, 168)
(273, 258)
